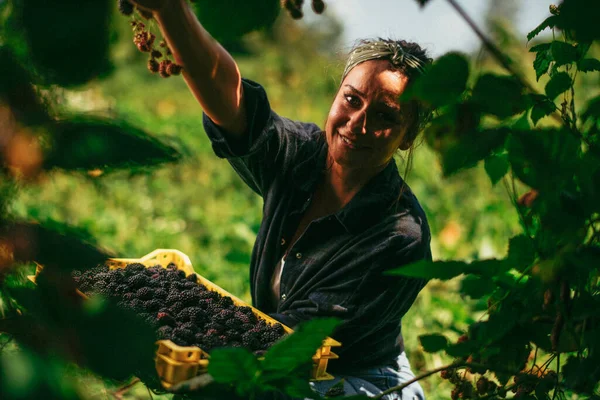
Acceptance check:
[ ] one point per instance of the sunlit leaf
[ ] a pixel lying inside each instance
(559, 83)
(433, 342)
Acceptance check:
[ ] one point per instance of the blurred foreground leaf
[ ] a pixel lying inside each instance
(87, 143)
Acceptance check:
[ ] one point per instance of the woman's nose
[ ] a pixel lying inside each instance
(358, 122)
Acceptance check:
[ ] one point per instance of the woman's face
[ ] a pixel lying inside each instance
(366, 125)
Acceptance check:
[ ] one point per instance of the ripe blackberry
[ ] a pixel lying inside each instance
(251, 340)
(160, 294)
(152, 305)
(268, 338)
(190, 298)
(241, 317)
(176, 307)
(129, 296)
(136, 305)
(137, 281)
(223, 316)
(192, 278)
(173, 297)
(122, 289)
(226, 302)
(144, 293)
(189, 326)
(233, 324)
(214, 326)
(164, 332)
(193, 314)
(206, 304)
(125, 7)
(134, 268)
(247, 327)
(233, 335)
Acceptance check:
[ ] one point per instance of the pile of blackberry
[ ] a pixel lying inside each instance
(180, 308)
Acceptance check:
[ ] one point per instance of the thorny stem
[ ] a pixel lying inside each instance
(504, 61)
(455, 365)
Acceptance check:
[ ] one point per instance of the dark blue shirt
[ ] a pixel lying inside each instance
(335, 267)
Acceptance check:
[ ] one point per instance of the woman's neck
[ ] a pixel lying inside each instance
(341, 184)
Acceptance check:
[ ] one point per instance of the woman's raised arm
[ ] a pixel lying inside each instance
(209, 70)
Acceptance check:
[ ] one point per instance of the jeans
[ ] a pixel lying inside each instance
(373, 381)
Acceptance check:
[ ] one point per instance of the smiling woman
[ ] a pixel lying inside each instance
(336, 212)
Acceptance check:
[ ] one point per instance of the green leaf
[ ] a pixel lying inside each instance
(496, 166)
(476, 287)
(544, 159)
(580, 19)
(542, 108)
(471, 149)
(444, 82)
(68, 41)
(445, 270)
(433, 342)
(542, 62)
(86, 143)
(499, 95)
(242, 17)
(298, 348)
(233, 365)
(563, 53)
(549, 22)
(558, 84)
(521, 252)
(588, 65)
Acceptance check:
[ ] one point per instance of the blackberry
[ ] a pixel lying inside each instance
(176, 308)
(144, 293)
(129, 296)
(125, 7)
(174, 69)
(245, 310)
(250, 340)
(233, 335)
(164, 318)
(193, 314)
(223, 316)
(236, 344)
(138, 281)
(192, 278)
(189, 326)
(206, 304)
(122, 289)
(152, 305)
(136, 304)
(218, 328)
(164, 332)
(76, 274)
(190, 298)
(247, 327)
(180, 273)
(226, 302)
(277, 329)
(173, 298)
(134, 268)
(183, 333)
(241, 317)
(233, 324)
(170, 266)
(160, 294)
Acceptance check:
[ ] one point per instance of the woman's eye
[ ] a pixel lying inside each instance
(352, 100)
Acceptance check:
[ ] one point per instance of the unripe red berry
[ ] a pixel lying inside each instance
(174, 69)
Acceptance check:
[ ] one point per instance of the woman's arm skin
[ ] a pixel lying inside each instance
(209, 70)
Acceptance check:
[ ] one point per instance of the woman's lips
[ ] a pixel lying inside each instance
(350, 144)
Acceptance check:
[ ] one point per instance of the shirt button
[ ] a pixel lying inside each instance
(282, 241)
(283, 296)
(298, 255)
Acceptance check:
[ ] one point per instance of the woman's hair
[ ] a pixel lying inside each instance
(409, 59)
(406, 57)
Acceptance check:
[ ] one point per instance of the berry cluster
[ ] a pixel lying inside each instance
(144, 40)
(294, 7)
(181, 309)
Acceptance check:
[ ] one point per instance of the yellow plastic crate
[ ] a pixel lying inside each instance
(175, 364)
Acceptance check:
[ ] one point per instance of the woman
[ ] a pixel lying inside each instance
(336, 212)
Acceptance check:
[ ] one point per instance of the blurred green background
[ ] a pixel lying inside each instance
(201, 207)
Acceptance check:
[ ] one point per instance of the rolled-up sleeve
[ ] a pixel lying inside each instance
(269, 146)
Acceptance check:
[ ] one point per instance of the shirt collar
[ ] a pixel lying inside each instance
(368, 206)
